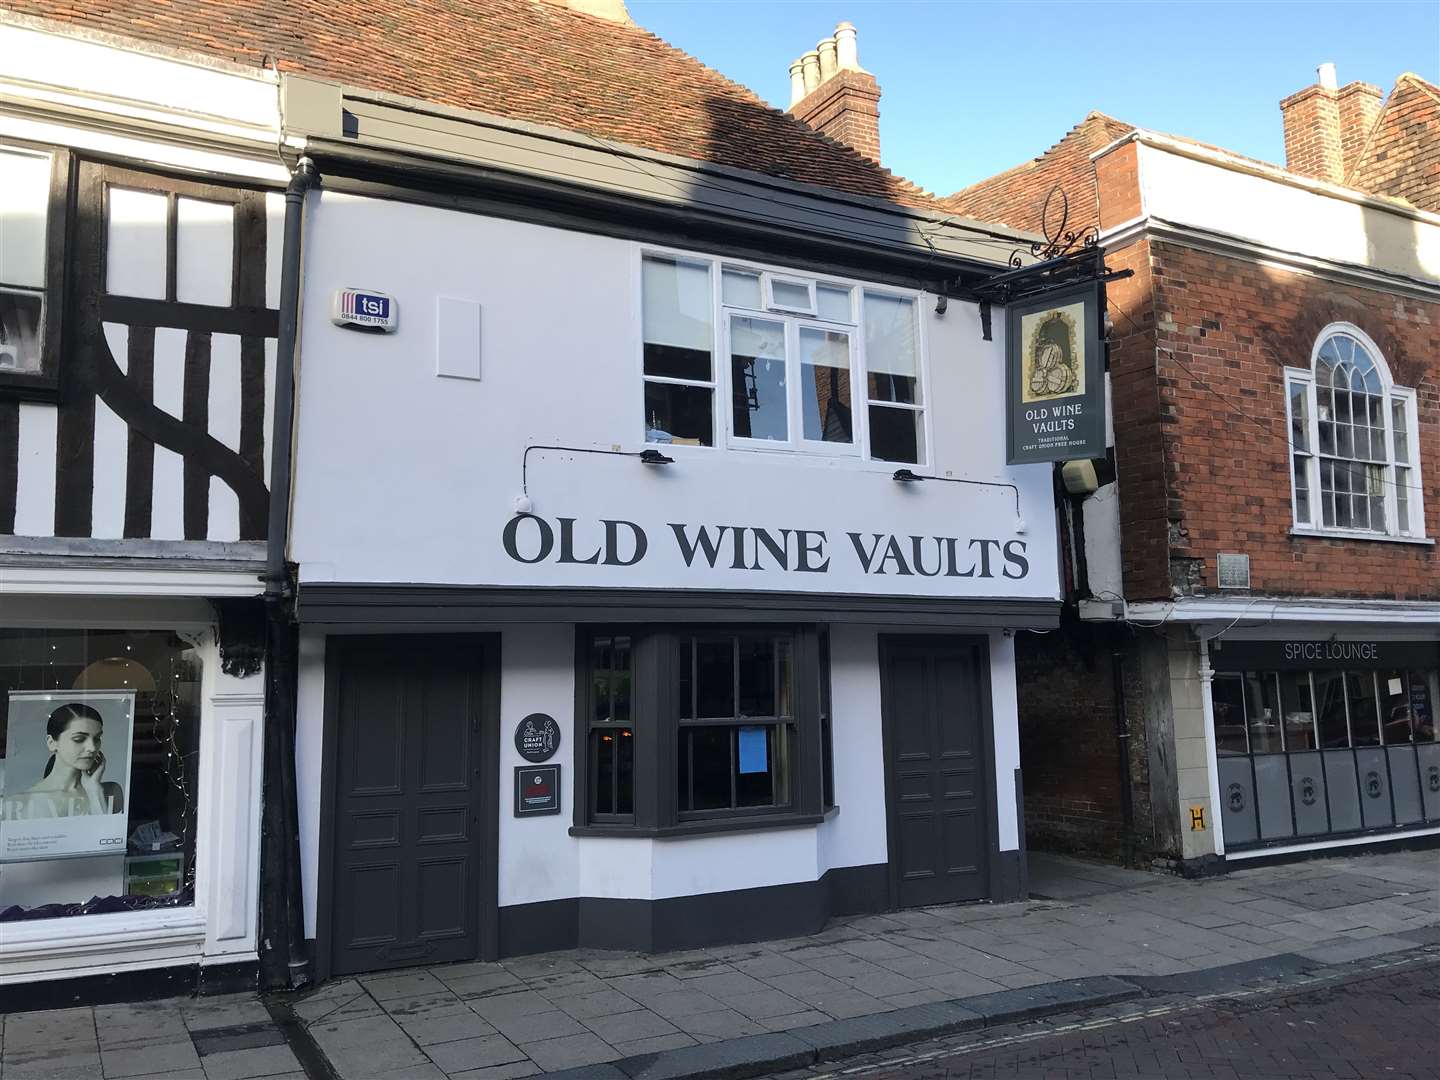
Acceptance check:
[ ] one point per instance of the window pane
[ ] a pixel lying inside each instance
(1399, 417)
(1262, 712)
(1297, 710)
(679, 414)
(757, 677)
(21, 319)
(1424, 692)
(137, 243)
(687, 679)
(600, 681)
(786, 679)
(24, 205)
(1364, 708)
(620, 680)
(1302, 488)
(891, 348)
(676, 306)
(1395, 715)
(705, 768)
(1402, 499)
(833, 303)
(757, 360)
(603, 754)
(790, 295)
(896, 434)
(825, 386)
(741, 289)
(715, 678)
(1227, 698)
(760, 765)
(1330, 706)
(1299, 416)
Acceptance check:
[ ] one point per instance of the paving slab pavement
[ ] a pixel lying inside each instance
(1100, 933)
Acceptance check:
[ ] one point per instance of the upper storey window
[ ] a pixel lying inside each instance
(32, 270)
(761, 360)
(1355, 460)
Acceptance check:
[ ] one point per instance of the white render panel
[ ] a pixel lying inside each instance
(856, 835)
(383, 444)
(271, 347)
(1102, 543)
(274, 246)
(204, 252)
(167, 498)
(1004, 708)
(1180, 189)
(457, 338)
(35, 466)
(112, 450)
(135, 250)
(729, 861)
(224, 420)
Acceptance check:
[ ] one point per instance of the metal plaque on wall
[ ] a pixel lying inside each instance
(1054, 378)
(537, 790)
(537, 737)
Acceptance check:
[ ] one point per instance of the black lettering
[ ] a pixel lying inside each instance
(916, 548)
(738, 563)
(567, 544)
(512, 529)
(612, 542)
(703, 542)
(892, 551)
(1016, 559)
(985, 546)
(804, 548)
(952, 560)
(866, 557)
(779, 552)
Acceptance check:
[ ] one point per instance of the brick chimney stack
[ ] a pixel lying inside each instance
(1326, 126)
(831, 92)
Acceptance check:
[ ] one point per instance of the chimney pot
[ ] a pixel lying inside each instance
(797, 81)
(1327, 76)
(826, 49)
(811, 67)
(847, 58)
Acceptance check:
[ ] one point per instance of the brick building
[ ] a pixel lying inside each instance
(1250, 660)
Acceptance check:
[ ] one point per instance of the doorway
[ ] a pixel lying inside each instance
(936, 715)
(412, 750)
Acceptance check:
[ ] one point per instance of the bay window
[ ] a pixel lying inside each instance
(797, 352)
(687, 730)
(1354, 459)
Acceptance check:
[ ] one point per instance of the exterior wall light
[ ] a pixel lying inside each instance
(655, 457)
(905, 476)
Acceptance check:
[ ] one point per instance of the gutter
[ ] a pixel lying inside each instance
(284, 959)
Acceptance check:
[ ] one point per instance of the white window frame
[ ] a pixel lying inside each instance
(771, 304)
(722, 386)
(1411, 530)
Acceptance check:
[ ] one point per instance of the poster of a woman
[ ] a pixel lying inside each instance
(67, 770)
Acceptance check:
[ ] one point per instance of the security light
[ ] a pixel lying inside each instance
(655, 457)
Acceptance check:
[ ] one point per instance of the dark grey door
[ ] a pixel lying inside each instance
(936, 709)
(408, 783)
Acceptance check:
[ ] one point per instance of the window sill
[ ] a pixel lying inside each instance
(703, 828)
(1356, 534)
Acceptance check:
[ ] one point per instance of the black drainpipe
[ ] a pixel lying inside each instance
(1122, 754)
(284, 963)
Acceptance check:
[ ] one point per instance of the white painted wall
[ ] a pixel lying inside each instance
(1103, 561)
(1202, 193)
(406, 476)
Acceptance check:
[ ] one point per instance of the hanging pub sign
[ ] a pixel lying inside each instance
(1055, 387)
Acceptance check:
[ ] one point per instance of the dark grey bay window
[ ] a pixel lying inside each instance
(34, 185)
(695, 729)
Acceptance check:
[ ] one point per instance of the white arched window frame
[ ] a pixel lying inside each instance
(1354, 450)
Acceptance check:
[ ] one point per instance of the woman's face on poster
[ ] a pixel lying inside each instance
(78, 745)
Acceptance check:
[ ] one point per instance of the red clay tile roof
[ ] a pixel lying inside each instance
(1402, 156)
(520, 59)
(1016, 197)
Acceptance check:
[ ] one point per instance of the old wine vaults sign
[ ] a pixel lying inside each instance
(1055, 390)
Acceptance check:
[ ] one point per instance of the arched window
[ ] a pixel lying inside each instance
(1355, 461)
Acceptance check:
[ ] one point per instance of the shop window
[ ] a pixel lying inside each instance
(1354, 459)
(1364, 708)
(33, 197)
(1297, 710)
(100, 736)
(1262, 712)
(827, 734)
(1227, 698)
(694, 727)
(1334, 725)
(794, 362)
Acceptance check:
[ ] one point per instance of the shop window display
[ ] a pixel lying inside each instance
(99, 745)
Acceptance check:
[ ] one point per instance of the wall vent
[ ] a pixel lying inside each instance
(1233, 571)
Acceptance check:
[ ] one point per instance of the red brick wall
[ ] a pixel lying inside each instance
(846, 107)
(1312, 134)
(1225, 330)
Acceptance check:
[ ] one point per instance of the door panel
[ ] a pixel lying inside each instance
(407, 803)
(934, 708)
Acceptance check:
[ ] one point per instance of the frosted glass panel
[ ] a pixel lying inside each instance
(24, 197)
(204, 251)
(741, 289)
(677, 304)
(135, 244)
(890, 345)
